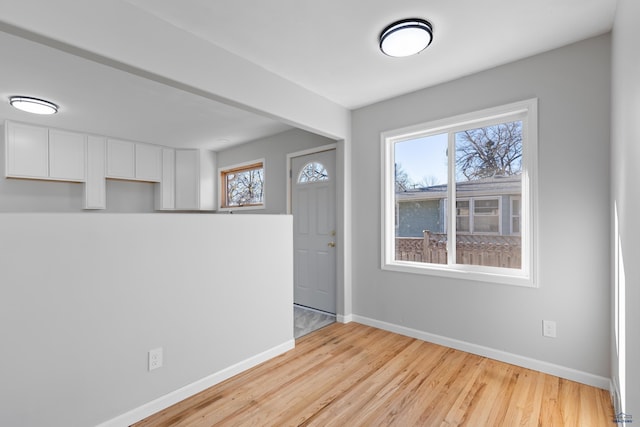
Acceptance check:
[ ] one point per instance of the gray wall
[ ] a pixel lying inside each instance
(27, 195)
(626, 195)
(573, 88)
(274, 150)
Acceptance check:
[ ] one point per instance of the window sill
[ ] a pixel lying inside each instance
(241, 208)
(492, 275)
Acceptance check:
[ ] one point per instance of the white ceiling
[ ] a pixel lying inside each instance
(328, 47)
(331, 46)
(102, 100)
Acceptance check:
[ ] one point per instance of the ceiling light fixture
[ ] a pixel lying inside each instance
(406, 37)
(33, 105)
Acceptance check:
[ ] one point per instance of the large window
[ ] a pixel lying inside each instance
(459, 196)
(243, 186)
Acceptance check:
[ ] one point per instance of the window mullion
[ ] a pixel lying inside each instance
(451, 192)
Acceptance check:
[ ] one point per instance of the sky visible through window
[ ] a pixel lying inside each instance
(424, 160)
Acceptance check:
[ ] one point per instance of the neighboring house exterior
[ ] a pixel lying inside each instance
(489, 206)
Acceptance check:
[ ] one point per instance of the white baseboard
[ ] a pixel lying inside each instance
(344, 319)
(176, 396)
(503, 356)
(614, 390)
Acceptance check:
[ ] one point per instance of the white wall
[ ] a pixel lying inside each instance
(573, 88)
(273, 150)
(626, 196)
(84, 297)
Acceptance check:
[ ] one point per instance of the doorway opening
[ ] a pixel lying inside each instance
(312, 202)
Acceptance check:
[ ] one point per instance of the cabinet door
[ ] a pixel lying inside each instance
(121, 159)
(148, 162)
(187, 179)
(95, 191)
(208, 180)
(166, 190)
(66, 155)
(27, 151)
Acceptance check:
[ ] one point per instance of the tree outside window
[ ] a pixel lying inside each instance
(243, 186)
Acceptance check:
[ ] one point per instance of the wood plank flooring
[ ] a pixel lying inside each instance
(355, 375)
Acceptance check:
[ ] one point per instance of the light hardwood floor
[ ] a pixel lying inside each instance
(355, 375)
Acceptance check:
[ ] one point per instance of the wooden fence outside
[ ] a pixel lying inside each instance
(487, 250)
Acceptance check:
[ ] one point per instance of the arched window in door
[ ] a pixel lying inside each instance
(313, 172)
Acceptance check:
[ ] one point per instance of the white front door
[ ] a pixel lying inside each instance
(313, 205)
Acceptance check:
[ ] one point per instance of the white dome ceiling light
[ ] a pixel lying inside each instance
(406, 37)
(33, 105)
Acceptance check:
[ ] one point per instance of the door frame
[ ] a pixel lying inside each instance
(289, 171)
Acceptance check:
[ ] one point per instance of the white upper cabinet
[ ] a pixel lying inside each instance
(135, 161)
(40, 153)
(148, 162)
(166, 189)
(121, 159)
(95, 190)
(67, 151)
(187, 183)
(27, 151)
(195, 180)
(186, 177)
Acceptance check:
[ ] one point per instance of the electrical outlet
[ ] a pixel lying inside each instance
(549, 328)
(155, 358)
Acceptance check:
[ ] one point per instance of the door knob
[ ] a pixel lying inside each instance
(331, 244)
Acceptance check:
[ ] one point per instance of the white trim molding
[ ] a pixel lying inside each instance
(189, 390)
(502, 356)
(344, 319)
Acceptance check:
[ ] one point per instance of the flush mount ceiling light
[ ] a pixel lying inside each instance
(33, 105)
(406, 37)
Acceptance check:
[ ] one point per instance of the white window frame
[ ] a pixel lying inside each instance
(526, 111)
(511, 215)
(471, 201)
(223, 186)
(470, 216)
(472, 213)
(396, 220)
